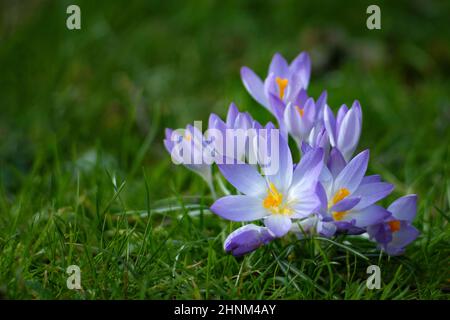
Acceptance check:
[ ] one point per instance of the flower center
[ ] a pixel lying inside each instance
(300, 111)
(338, 196)
(188, 137)
(282, 84)
(394, 225)
(274, 201)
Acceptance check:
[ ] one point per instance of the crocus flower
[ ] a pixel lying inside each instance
(235, 121)
(277, 198)
(287, 82)
(246, 239)
(344, 130)
(396, 231)
(348, 197)
(189, 148)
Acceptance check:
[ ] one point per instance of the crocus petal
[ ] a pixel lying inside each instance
(404, 208)
(278, 224)
(245, 178)
(254, 86)
(371, 179)
(326, 229)
(348, 134)
(232, 114)
(345, 204)
(305, 204)
(307, 171)
(336, 162)
(340, 116)
(246, 239)
(239, 208)
(357, 107)
(243, 121)
(322, 196)
(307, 121)
(403, 237)
(277, 107)
(301, 65)
(282, 178)
(291, 118)
(279, 67)
(380, 233)
(367, 216)
(320, 105)
(351, 176)
(371, 193)
(330, 125)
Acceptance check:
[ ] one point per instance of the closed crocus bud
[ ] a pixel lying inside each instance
(396, 231)
(247, 239)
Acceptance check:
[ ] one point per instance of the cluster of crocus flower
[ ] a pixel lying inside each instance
(326, 193)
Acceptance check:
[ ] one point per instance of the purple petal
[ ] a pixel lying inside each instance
(239, 208)
(371, 193)
(231, 115)
(380, 233)
(326, 229)
(308, 117)
(404, 236)
(254, 86)
(279, 67)
(357, 107)
(245, 178)
(348, 134)
(305, 204)
(330, 125)
(277, 106)
(243, 121)
(292, 120)
(308, 170)
(404, 208)
(336, 162)
(320, 105)
(367, 216)
(283, 176)
(340, 116)
(351, 176)
(278, 224)
(246, 239)
(345, 204)
(301, 65)
(371, 179)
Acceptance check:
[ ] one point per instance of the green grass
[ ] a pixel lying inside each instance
(85, 180)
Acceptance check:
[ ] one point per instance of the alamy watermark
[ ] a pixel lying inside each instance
(228, 146)
(73, 282)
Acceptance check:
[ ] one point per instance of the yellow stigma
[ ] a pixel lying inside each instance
(394, 225)
(338, 196)
(339, 215)
(274, 201)
(188, 137)
(300, 111)
(282, 84)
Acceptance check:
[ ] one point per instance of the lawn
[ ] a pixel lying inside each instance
(85, 179)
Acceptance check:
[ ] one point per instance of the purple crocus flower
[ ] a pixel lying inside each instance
(188, 147)
(246, 239)
(277, 198)
(344, 130)
(396, 231)
(348, 197)
(287, 82)
(235, 121)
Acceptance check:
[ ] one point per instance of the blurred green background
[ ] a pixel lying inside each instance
(79, 107)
